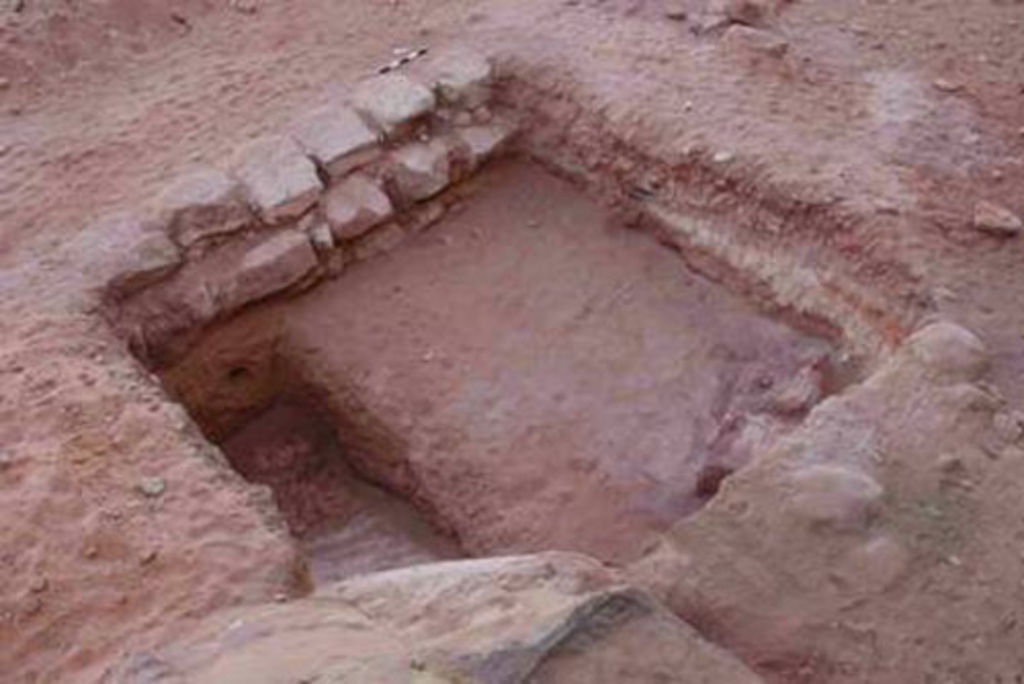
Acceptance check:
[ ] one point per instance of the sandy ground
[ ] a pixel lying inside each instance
(895, 117)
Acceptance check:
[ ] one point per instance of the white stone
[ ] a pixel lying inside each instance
(201, 204)
(338, 139)
(462, 77)
(421, 170)
(834, 495)
(321, 238)
(280, 180)
(992, 218)
(742, 38)
(949, 349)
(393, 101)
(875, 565)
(275, 264)
(355, 205)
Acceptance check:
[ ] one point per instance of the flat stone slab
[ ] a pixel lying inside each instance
(280, 180)
(277, 263)
(393, 101)
(421, 170)
(202, 204)
(338, 139)
(354, 206)
(554, 618)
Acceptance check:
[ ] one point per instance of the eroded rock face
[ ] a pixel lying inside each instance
(553, 617)
(847, 527)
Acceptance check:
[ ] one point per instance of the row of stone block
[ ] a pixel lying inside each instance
(343, 182)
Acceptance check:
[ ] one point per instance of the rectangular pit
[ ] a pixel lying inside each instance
(526, 375)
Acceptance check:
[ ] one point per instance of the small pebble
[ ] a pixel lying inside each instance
(723, 157)
(676, 11)
(992, 218)
(152, 486)
(39, 585)
(946, 85)
(148, 557)
(1008, 426)
(948, 463)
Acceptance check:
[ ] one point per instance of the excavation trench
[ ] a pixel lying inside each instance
(526, 375)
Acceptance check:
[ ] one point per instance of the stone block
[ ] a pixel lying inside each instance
(393, 101)
(126, 253)
(338, 139)
(477, 144)
(355, 205)
(421, 170)
(276, 264)
(280, 180)
(462, 77)
(201, 204)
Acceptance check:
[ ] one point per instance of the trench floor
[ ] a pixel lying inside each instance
(556, 381)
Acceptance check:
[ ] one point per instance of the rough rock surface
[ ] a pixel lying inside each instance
(126, 253)
(354, 206)
(479, 143)
(836, 554)
(421, 170)
(461, 76)
(279, 178)
(554, 617)
(270, 266)
(338, 139)
(393, 101)
(201, 204)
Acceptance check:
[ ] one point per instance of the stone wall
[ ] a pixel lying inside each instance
(344, 183)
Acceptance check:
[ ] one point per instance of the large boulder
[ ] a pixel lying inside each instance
(553, 617)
